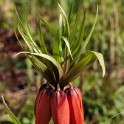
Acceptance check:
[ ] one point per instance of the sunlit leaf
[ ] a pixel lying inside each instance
(66, 20)
(100, 58)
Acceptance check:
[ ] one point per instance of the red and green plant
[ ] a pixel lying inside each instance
(63, 62)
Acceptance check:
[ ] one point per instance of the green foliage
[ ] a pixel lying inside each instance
(12, 116)
(49, 65)
(102, 97)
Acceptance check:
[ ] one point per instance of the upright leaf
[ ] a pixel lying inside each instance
(66, 21)
(78, 44)
(68, 46)
(43, 47)
(48, 25)
(74, 29)
(70, 16)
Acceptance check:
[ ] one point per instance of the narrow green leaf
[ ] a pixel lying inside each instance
(28, 32)
(51, 59)
(68, 45)
(70, 16)
(66, 20)
(100, 58)
(91, 32)
(40, 64)
(76, 57)
(74, 29)
(57, 45)
(31, 45)
(19, 20)
(20, 43)
(48, 25)
(51, 63)
(43, 47)
(46, 57)
(25, 29)
(43, 69)
(59, 39)
(63, 12)
(81, 35)
(56, 50)
(12, 116)
(25, 38)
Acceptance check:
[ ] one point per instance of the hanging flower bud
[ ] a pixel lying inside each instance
(42, 109)
(75, 105)
(41, 90)
(60, 107)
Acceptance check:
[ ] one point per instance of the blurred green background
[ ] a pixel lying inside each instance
(103, 98)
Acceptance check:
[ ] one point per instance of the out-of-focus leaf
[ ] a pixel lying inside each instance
(48, 25)
(70, 15)
(12, 116)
